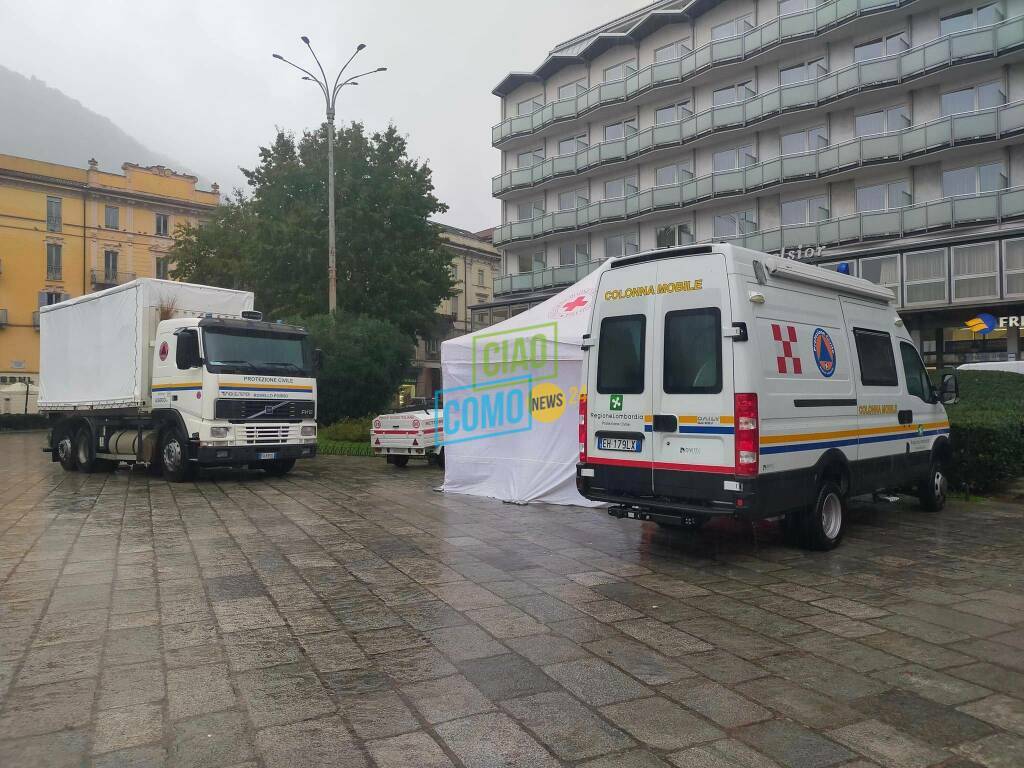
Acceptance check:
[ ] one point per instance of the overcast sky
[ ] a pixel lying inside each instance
(194, 79)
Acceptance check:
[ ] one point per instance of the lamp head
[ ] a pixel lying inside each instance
(305, 39)
(382, 69)
(360, 46)
(278, 56)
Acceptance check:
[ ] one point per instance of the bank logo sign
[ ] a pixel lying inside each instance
(983, 324)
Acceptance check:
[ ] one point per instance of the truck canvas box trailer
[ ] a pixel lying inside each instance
(176, 376)
(724, 381)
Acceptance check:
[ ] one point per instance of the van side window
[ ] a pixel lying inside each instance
(919, 383)
(693, 351)
(877, 362)
(620, 355)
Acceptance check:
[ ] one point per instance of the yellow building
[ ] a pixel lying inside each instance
(66, 231)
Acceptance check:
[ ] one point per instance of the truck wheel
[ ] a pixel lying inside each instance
(65, 449)
(932, 488)
(824, 524)
(277, 468)
(85, 451)
(174, 457)
(398, 460)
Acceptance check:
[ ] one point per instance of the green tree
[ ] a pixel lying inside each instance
(391, 264)
(364, 361)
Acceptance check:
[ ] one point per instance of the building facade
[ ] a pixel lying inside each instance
(67, 231)
(884, 134)
(475, 266)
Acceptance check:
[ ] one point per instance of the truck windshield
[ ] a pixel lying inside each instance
(229, 350)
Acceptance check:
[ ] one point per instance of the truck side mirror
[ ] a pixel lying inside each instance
(949, 390)
(186, 353)
(318, 360)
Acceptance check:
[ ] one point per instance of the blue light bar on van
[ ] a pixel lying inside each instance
(843, 268)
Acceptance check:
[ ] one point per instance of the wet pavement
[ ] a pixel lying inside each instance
(347, 615)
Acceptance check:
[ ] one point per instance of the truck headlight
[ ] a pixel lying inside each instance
(309, 431)
(219, 432)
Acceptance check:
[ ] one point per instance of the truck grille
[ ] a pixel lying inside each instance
(268, 435)
(245, 410)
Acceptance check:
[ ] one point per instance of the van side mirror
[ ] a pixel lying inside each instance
(949, 390)
(186, 353)
(318, 360)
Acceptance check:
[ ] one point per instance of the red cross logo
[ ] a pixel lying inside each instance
(787, 349)
(579, 301)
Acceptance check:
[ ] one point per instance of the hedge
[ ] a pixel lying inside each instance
(987, 431)
(348, 431)
(12, 421)
(328, 447)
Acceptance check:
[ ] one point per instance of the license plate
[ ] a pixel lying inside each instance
(618, 444)
(267, 455)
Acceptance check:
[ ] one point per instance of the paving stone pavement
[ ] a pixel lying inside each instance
(348, 615)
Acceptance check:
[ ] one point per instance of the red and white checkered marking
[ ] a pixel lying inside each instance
(787, 338)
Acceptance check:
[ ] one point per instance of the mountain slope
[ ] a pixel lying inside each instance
(42, 123)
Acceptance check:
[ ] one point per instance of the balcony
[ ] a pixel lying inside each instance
(543, 278)
(104, 279)
(945, 213)
(966, 128)
(901, 146)
(54, 274)
(776, 31)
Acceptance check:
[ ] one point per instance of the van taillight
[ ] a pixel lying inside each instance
(747, 434)
(583, 426)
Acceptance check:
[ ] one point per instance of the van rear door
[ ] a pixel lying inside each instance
(619, 381)
(692, 361)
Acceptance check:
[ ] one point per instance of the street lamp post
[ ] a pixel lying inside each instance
(330, 93)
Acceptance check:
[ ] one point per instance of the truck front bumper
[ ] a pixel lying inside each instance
(248, 454)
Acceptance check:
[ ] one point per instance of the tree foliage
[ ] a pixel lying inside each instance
(274, 242)
(364, 361)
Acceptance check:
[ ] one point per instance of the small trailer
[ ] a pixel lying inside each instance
(405, 435)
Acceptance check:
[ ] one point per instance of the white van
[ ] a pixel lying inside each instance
(724, 381)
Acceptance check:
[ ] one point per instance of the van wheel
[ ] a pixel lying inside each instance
(824, 524)
(66, 452)
(399, 461)
(932, 488)
(174, 458)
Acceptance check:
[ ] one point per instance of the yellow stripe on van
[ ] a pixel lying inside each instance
(808, 436)
(692, 419)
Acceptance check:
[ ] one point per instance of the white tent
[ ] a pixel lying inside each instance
(534, 357)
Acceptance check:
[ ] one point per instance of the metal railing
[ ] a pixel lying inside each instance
(54, 224)
(105, 278)
(981, 125)
(543, 278)
(54, 274)
(781, 29)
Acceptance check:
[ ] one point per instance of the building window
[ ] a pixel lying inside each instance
(620, 130)
(49, 298)
(572, 199)
(620, 71)
(571, 90)
(621, 245)
(480, 278)
(54, 261)
(672, 235)
(925, 276)
(619, 188)
(530, 158)
(883, 121)
(884, 197)
(733, 93)
(800, 73)
(111, 216)
(54, 221)
(573, 144)
(970, 19)
(675, 50)
(975, 272)
(969, 99)
(883, 46)
(806, 210)
(796, 6)
(110, 266)
(532, 262)
(735, 224)
(529, 106)
(731, 159)
(1013, 267)
(733, 28)
(672, 174)
(673, 113)
(163, 268)
(883, 271)
(531, 209)
(573, 253)
(162, 224)
(973, 179)
(804, 141)
(455, 305)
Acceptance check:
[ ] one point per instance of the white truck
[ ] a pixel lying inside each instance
(175, 376)
(412, 434)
